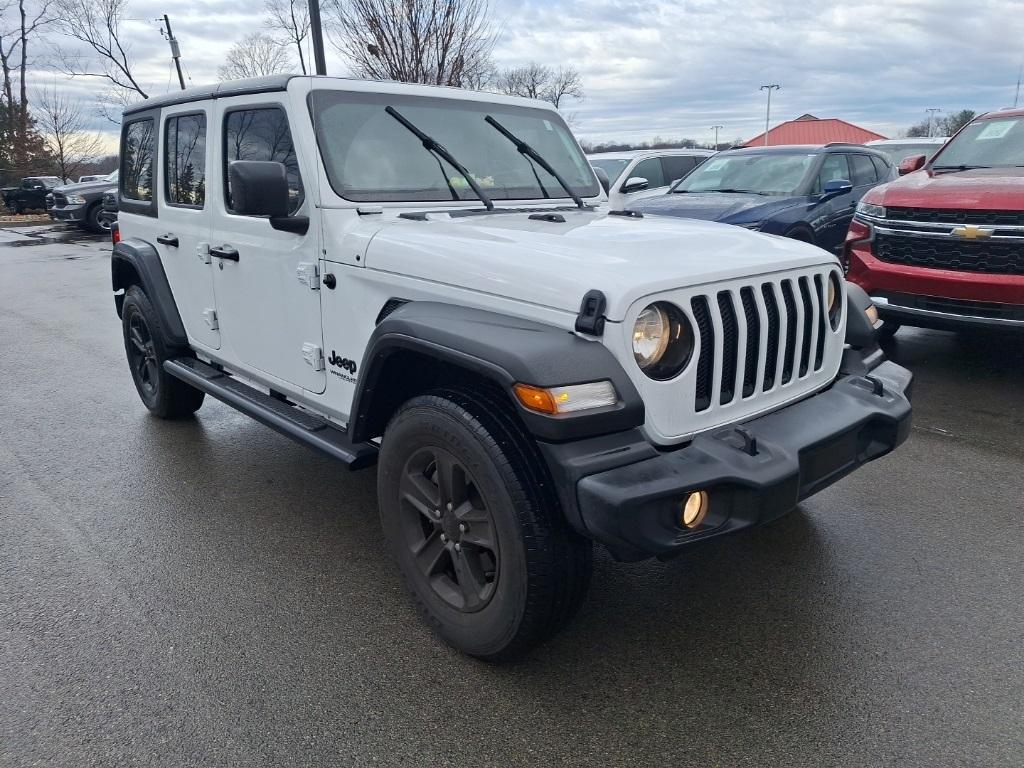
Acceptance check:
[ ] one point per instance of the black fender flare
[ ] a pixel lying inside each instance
(505, 350)
(136, 261)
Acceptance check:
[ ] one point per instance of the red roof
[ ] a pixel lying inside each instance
(808, 129)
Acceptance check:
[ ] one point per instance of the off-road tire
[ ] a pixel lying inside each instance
(542, 568)
(147, 348)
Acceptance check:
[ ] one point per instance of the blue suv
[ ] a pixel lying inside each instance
(805, 192)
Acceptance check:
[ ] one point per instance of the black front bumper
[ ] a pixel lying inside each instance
(621, 491)
(76, 213)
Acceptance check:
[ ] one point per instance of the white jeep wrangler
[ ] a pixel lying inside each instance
(529, 371)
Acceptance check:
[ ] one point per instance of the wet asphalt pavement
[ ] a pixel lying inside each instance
(207, 593)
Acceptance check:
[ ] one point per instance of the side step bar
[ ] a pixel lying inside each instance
(300, 425)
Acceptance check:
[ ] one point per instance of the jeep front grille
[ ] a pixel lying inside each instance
(756, 337)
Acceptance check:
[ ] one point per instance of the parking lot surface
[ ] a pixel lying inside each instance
(205, 592)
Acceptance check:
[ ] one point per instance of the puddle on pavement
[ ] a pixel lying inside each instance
(51, 237)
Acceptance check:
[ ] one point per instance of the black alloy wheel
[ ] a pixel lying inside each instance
(449, 529)
(142, 357)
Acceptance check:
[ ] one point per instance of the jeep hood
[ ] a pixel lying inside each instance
(981, 188)
(553, 264)
(716, 206)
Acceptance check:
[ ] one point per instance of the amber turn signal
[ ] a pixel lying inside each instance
(536, 399)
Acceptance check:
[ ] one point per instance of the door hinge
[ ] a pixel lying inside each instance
(210, 316)
(203, 252)
(309, 275)
(314, 355)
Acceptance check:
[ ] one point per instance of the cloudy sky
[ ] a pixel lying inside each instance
(675, 67)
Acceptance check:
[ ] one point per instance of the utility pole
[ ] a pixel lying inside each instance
(716, 128)
(175, 50)
(316, 28)
(768, 109)
(931, 114)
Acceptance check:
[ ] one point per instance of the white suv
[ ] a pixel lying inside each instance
(641, 173)
(529, 371)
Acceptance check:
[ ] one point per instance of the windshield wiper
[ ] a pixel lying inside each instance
(528, 151)
(958, 167)
(738, 191)
(435, 148)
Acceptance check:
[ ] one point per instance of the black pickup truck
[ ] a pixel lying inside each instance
(30, 194)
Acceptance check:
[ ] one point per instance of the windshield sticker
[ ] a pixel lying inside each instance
(997, 129)
(548, 125)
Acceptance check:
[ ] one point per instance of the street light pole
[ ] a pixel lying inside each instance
(317, 33)
(768, 109)
(931, 114)
(715, 128)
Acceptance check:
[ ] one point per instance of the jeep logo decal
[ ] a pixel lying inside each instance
(342, 362)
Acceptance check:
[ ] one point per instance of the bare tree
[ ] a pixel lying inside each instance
(15, 38)
(290, 18)
(97, 24)
(539, 81)
(438, 42)
(62, 122)
(255, 55)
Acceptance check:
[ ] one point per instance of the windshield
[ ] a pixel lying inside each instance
(612, 167)
(773, 174)
(370, 156)
(986, 144)
(111, 177)
(898, 152)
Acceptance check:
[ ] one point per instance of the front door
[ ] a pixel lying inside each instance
(268, 298)
(183, 229)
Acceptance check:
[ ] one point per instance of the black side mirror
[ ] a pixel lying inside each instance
(602, 177)
(258, 188)
(835, 188)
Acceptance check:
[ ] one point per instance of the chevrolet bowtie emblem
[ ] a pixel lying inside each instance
(971, 232)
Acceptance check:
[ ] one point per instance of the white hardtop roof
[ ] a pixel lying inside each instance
(632, 153)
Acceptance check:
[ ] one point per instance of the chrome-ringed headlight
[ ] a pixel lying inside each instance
(662, 341)
(76, 199)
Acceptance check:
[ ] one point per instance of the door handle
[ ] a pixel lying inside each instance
(224, 252)
(168, 239)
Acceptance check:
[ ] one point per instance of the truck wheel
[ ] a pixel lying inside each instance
(17, 208)
(92, 220)
(478, 534)
(144, 343)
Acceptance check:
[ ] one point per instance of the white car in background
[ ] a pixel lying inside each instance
(897, 149)
(644, 173)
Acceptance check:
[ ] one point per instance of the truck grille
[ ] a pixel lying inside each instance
(758, 337)
(59, 199)
(947, 216)
(986, 256)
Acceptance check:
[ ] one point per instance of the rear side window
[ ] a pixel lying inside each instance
(649, 169)
(185, 160)
(262, 134)
(675, 166)
(137, 149)
(863, 170)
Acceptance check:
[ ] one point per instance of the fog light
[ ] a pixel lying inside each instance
(694, 509)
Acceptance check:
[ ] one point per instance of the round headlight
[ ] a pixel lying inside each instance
(662, 341)
(834, 303)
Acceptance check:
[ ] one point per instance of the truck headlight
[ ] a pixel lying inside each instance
(662, 341)
(872, 210)
(75, 199)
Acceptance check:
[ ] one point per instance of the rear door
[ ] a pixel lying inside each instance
(676, 167)
(183, 235)
(268, 297)
(833, 216)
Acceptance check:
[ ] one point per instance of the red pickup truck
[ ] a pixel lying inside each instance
(943, 246)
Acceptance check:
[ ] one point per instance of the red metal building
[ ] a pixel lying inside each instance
(808, 129)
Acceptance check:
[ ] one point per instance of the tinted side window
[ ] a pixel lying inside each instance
(881, 169)
(676, 166)
(832, 168)
(863, 170)
(262, 134)
(137, 150)
(185, 160)
(649, 169)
